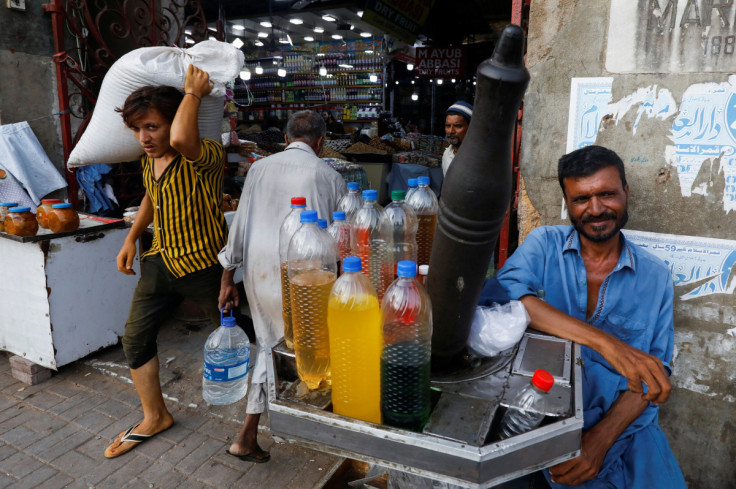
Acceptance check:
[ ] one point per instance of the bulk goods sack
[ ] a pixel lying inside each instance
(107, 140)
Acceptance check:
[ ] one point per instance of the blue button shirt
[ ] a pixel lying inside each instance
(634, 305)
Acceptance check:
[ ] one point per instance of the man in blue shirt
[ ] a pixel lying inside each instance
(614, 299)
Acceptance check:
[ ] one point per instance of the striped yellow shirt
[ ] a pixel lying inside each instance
(189, 225)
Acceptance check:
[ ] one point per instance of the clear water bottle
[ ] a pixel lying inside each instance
(340, 232)
(356, 341)
(288, 227)
(412, 182)
(371, 239)
(351, 201)
(526, 411)
(404, 224)
(424, 202)
(406, 315)
(226, 363)
(312, 272)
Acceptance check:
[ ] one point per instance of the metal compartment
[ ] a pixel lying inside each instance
(458, 444)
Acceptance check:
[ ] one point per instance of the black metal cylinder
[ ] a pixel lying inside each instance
(475, 196)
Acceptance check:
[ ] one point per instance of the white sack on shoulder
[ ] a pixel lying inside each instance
(107, 140)
(498, 328)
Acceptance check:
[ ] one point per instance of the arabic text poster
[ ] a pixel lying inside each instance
(704, 265)
(589, 99)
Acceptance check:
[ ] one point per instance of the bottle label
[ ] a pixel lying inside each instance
(218, 373)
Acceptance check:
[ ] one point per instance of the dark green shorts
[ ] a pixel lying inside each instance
(156, 297)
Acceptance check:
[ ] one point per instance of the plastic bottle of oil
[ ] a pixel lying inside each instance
(425, 204)
(371, 238)
(312, 269)
(288, 227)
(356, 341)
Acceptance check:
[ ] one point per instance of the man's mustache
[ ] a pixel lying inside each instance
(605, 215)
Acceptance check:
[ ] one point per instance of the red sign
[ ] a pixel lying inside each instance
(439, 62)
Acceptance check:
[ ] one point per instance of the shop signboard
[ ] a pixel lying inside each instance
(399, 18)
(439, 62)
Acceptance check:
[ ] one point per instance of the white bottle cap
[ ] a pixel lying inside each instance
(423, 269)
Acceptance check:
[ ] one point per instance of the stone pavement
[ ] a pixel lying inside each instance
(52, 435)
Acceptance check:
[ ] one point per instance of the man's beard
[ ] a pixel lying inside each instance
(454, 141)
(599, 238)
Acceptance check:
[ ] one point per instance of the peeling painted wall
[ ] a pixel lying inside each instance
(651, 120)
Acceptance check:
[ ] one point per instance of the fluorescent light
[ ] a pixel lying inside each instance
(258, 43)
(188, 32)
(283, 41)
(345, 65)
(412, 82)
(189, 40)
(365, 34)
(238, 27)
(212, 29)
(296, 21)
(322, 71)
(414, 97)
(368, 51)
(473, 83)
(245, 74)
(319, 29)
(266, 24)
(397, 82)
(410, 66)
(453, 80)
(308, 38)
(336, 36)
(373, 78)
(237, 43)
(277, 57)
(259, 69)
(439, 81)
(281, 72)
(328, 18)
(360, 13)
(263, 34)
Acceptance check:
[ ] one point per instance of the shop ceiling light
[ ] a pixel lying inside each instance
(453, 80)
(266, 24)
(319, 29)
(296, 21)
(439, 81)
(410, 66)
(258, 43)
(283, 40)
(412, 82)
(345, 65)
(365, 34)
(336, 36)
(259, 68)
(245, 74)
(238, 27)
(373, 78)
(308, 38)
(360, 13)
(263, 34)
(414, 97)
(281, 72)
(329, 18)
(188, 32)
(397, 82)
(237, 43)
(189, 40)
(213, 29)
(322, 71)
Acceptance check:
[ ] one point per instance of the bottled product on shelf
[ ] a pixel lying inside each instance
(404, 225)
(288, 227)
(312, 272)
(424, 202)
(351, 201)
(371, 239)
(226, 364)
(356, 341)
(526, 411)
(340, 232)
(406, 315)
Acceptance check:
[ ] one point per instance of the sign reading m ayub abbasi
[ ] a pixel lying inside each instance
(672, 36)
(440, 62)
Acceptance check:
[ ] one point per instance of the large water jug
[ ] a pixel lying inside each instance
(226, 363)
(406, 315)
(371, 239)
(288, 227)
(356, 340)
(404, 225)
(424, 202)
(312, 272)
(351, 201)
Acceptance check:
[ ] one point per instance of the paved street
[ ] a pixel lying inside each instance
(53, 435)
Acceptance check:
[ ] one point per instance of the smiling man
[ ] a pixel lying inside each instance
(614, 299)
(457, 120)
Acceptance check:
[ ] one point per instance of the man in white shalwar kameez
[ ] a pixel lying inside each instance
(253, 243)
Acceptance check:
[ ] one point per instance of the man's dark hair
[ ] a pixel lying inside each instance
(164, 99)
(586, 161)
(306, 125)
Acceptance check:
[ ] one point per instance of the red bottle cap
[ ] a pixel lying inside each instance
(543, 380)
(50, 201)
(298, 201)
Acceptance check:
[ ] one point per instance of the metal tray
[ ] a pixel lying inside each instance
(89, 225)
(459, 444)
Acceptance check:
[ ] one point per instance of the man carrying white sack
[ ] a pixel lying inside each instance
(183, 178)
(253, 242)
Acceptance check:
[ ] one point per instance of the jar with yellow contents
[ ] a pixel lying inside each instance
(20, 221)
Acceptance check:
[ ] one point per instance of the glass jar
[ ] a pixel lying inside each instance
(43, 210)
(20, 221)
(4, 208)
(62, 218)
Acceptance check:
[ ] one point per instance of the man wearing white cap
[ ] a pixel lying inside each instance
(457, 120)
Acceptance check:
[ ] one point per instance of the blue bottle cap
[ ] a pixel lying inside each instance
(370, 194)
(308, 216)
(406, 268)
(322, 223)
(422, 180)
(338, 216)
(19, 209)
(9, 204)
(351, 264)
(412, 182)
(65, 205)
(229, 322)
(353, 186)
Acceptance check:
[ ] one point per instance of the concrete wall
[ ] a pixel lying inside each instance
(28, 86)
(572, 38)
